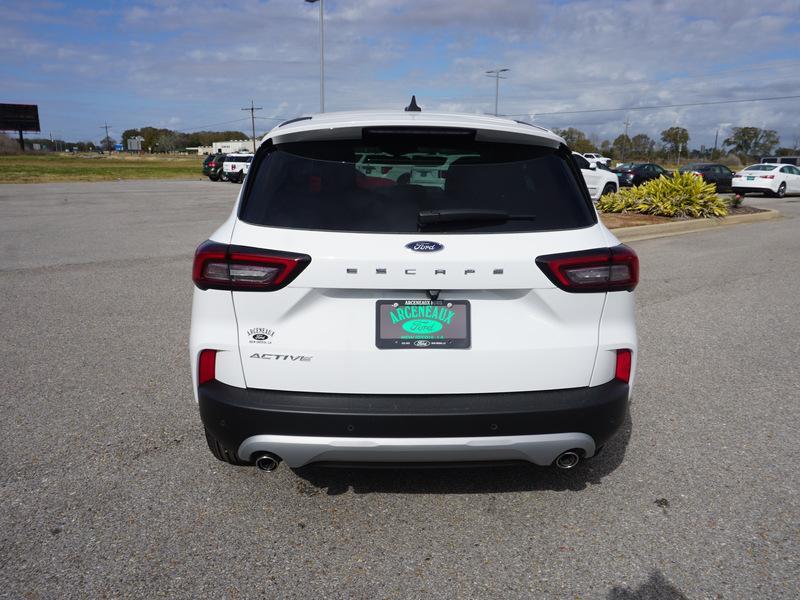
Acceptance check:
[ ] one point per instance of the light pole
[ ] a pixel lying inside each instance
(497, 77)
(321, 54)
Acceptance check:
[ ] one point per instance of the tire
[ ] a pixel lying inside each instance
(220, 452)
(781, 190)
(609, 188)
(214, 177)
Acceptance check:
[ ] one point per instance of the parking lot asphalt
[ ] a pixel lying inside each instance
(108, 488)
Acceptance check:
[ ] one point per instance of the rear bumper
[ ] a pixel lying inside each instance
(309, 427)
(751, 189)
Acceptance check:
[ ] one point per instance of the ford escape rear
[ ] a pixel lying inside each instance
(412, 287)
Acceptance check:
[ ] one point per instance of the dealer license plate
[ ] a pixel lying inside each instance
(422, 324)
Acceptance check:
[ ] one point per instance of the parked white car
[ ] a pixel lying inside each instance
(773, 179)
(339, 317)
(236, 166)
(594, 157)
(599, 181)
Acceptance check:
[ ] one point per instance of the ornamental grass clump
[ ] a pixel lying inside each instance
(683, 195)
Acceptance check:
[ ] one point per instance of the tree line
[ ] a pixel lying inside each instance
(748, 143)
(166, 140)
(155, 140)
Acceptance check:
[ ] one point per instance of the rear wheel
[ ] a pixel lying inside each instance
(781, 190)
(213, 177)
(220, 452)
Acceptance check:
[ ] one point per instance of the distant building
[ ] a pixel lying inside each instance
(232, 146)
(201, 150)
(135, 143)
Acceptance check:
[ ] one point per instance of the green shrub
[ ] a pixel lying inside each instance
(682, 195)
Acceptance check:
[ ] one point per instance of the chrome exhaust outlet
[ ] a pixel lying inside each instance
(567, 460)
(266, 461)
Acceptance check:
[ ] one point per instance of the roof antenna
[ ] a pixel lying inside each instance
(413, 106)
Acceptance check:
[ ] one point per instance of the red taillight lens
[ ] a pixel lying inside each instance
(206, 366)
(601, 270)
(624, 363)
(212, 164)
(767, 176)
(385, 170)
(239, 268)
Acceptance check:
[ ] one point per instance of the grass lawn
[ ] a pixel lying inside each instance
(45, 168)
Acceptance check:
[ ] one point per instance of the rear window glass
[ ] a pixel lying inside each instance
(393, 187)
(760, 168)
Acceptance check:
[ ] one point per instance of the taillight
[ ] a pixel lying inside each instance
(239, 268)
(206, 366)
(212, 164)
(767, 176)
(600, 270)
(624, 362)
(385, 170)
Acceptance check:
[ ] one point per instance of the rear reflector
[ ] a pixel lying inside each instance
(239, 268)
(624, 361)
(206, 366)
(600, 270)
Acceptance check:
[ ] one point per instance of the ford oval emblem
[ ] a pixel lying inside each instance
(425, 246)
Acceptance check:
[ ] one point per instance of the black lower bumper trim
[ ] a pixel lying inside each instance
(233, 414)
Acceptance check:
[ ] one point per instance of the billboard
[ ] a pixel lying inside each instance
(19, 117)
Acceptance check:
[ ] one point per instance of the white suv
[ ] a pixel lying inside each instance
(345, 317)
(599, 180)
(236, 166)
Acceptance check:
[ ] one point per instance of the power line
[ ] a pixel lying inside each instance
(189, 129)
(654, 107)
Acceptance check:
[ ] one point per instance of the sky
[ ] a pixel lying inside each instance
(190, 65)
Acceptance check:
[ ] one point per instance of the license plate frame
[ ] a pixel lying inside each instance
(432, 326)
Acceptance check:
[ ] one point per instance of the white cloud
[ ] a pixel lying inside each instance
(204, 61)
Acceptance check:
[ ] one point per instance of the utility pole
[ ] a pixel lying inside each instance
(627, 124)
(108, 143)
(716, 139)
(497, 77)
(252, 108)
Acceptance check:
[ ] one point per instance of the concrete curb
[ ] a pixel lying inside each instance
(646, 232)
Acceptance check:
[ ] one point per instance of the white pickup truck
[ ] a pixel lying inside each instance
(593, 157)
(236, 166)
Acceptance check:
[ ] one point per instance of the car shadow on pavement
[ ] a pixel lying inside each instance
(655, 588)
(480, 480)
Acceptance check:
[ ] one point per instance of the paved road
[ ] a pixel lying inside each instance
(107, 488)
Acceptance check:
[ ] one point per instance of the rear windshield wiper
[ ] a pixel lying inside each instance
(457, 215)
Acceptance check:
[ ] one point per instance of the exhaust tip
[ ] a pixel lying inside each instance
(567, 460)
(266, 461)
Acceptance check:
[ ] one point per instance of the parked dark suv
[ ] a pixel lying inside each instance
(720, 175)
(631, 174)
(212, 166)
